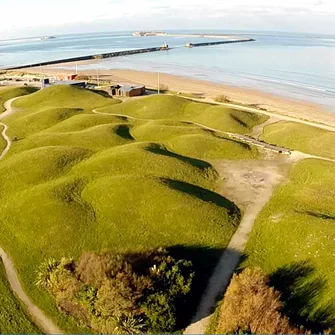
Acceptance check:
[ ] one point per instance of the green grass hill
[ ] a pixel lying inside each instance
(294, 238)
(13, 319)
(312, 140)
(13, 92)
(75, 181)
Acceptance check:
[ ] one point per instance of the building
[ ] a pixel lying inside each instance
(66, 76)
(127, 90)
(46, 82)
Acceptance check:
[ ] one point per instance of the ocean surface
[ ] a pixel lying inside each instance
(300, 66)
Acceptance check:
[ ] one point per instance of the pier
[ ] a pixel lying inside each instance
(204, 44)
(89, 57)
(120, 53)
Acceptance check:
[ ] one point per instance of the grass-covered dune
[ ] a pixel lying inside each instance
(8, 93)
(294, 241)
(13, 319)
(75, 181)
(176, 108)
(312, 140)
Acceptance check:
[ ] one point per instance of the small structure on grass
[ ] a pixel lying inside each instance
(126, 90)
(46, 82)
(66, 76)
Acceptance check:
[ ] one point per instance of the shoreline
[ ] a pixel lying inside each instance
(208, 90)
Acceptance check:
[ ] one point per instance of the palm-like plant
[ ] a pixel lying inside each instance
(44, 273)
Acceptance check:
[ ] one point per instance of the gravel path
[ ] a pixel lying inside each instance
(42, 321)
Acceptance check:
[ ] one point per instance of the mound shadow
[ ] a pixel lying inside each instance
(204, 260)
(203, 194)
(123, 131)
(301, 293)
(158, 150)
(238, 120)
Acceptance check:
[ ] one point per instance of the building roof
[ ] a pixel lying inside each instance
(129, 88)
(67, 82)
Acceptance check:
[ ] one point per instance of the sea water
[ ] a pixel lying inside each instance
(300, 66)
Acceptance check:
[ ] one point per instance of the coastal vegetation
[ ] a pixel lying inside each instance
(309, 139)
(13, 319)
(252, 306)
(119, 182)
(301, 213)
(114, 293)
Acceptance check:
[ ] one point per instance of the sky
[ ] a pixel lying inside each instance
(22, 18)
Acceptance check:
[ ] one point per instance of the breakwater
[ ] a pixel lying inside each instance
(118, 54)
(89, 57)
(203, 44)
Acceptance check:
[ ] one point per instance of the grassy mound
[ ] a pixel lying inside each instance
(77, 181)
(311, 140)
(13, 92)
(108, 135)
(13, 319)
(57, 161)
(29, 122)
(294, 238)
(209, 146)
(84, 121)
(176, 108)
(63, 96)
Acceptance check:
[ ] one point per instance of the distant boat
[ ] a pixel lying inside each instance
(44, 38)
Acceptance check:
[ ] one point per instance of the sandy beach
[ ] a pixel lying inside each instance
(205, 89)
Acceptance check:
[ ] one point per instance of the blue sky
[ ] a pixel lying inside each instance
(20, 18)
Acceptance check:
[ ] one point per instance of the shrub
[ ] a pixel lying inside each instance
(113, 293)
(163, 88)
(221, 98)
(251, 306)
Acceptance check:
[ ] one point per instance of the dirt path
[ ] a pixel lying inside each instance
(7, 139)
(42, 321)
(250, 185)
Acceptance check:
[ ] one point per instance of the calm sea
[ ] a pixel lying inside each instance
(300, 66)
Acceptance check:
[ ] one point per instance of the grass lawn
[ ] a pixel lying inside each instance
(12, 92)
(13, 319)
(294, 240)
(76, 181)
(308, 139)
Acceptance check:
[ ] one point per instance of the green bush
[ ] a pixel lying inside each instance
(113, 293)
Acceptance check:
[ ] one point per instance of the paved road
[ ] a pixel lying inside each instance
(37, 315)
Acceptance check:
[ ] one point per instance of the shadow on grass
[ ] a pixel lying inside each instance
(238, 120)
(301, 292)
(204, 260)
(123, 131)
(203, 194)
(317, 215)
(159, 150)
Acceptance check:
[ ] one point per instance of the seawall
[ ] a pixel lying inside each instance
(117, 54)
(89, 57)
(203, 44)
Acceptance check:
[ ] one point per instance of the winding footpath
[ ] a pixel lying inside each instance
(41, 320)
